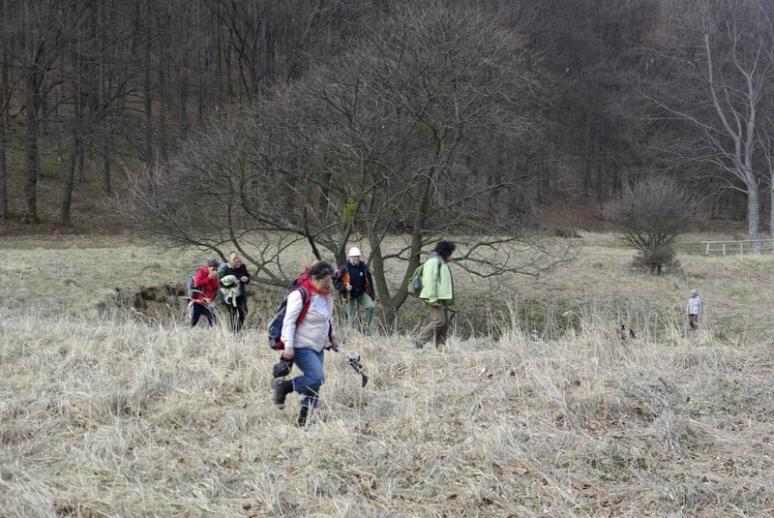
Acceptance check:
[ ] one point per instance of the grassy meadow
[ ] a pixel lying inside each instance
(106, 412)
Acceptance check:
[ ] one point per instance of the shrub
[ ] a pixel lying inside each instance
(656, 259)
(650, 215)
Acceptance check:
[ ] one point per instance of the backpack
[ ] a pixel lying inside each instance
(415, 284)
(189, 287)
(275, 328)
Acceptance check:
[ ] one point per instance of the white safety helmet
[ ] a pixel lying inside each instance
(354, 252)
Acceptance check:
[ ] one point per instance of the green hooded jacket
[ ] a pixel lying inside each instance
(437, 282)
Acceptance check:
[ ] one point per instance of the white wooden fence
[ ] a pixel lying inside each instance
(740, 247)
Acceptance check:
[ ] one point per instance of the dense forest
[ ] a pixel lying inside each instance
(504, 105)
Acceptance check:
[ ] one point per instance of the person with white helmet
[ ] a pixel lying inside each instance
(354, 282)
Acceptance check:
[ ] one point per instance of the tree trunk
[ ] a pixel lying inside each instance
(4, 108)
(3, 170)
(589, 160)
(164, 154)
(105, 102)
(147, 87)
(754, 217)
(31, 145)
(392, 303)
(771, 210)
(203, 71)
(76, 153)
(183, 86)
(387, 304)
(617, 182)
(33, 48)
(32, 163)
(70, 177)
(228, 74)
(599, 186)
(105, 155)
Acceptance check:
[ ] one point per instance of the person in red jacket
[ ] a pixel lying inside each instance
(205, 284)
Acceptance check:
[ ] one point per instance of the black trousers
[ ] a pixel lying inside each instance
(237, 314)
(201, 310)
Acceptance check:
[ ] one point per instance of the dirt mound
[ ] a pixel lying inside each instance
(167, 301)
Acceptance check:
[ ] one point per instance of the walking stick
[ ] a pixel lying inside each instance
(283, 367)
(356, 364)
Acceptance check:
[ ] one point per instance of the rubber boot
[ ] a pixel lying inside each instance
(302, 416)
(281, 389)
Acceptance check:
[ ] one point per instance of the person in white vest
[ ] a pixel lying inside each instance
(305, 342)
(695, 309)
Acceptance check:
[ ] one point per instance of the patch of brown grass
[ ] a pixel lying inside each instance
(105, 414)
(117, 417)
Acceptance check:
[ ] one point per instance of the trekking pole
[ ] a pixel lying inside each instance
(355, 363)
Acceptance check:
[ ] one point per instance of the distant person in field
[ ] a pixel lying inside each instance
(305, 342)
(354, 283)
(234, 278)
(205, 284)
(695, 309)
(438, 294)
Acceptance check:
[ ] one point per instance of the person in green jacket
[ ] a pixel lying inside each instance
(438, 294)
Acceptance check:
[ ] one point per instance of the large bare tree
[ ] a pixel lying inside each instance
(377, 144)
(6, 92)
(716, 85)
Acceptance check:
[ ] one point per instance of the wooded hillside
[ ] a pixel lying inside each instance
(93, 94)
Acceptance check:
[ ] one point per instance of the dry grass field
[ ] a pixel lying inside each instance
(103, 413)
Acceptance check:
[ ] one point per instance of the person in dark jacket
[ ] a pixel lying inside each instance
(354, 283)
(234, 278)
(205, 284)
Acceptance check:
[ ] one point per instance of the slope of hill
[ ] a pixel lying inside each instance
(104, 413)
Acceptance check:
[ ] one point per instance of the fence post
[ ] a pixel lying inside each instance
(741, 248)
(706, 252)
(724, 248)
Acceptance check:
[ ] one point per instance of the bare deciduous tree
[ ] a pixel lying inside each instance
(650, 216)
(726, 61)
(375, 144)
(6, 92)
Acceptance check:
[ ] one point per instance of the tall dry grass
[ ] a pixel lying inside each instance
(107, 416)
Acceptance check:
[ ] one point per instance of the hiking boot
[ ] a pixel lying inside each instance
(302, 416)
(418, 343)
(281, 389)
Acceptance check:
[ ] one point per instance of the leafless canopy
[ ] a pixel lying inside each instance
(651, 215)
(395, 137)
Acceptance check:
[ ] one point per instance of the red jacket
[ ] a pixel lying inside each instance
(203, 282)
